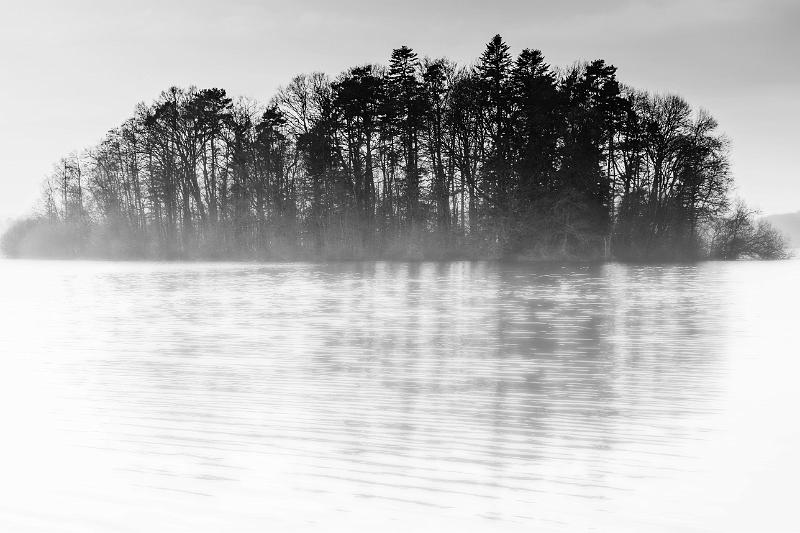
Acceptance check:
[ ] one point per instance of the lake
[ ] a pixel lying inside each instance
(398, 397)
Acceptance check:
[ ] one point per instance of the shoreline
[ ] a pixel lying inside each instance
(319, 261)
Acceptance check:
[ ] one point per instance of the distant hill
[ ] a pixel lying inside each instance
(789, 225)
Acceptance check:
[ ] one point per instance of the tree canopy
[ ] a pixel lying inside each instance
(422, 158)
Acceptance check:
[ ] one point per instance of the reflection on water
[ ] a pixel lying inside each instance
(396, 397)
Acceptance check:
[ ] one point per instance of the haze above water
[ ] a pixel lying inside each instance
(398, 397)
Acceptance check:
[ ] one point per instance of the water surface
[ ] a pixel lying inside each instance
(398, 397)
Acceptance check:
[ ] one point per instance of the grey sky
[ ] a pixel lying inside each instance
(73, 69)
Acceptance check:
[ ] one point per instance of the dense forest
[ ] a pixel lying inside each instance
(420, 159)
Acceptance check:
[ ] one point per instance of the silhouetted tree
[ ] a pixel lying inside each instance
(415, 159)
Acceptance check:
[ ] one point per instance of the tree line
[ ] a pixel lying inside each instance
(421, 158)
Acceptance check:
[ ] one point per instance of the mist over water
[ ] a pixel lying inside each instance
(398, 397)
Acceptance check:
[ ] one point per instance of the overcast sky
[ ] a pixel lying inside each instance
(72, 69)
